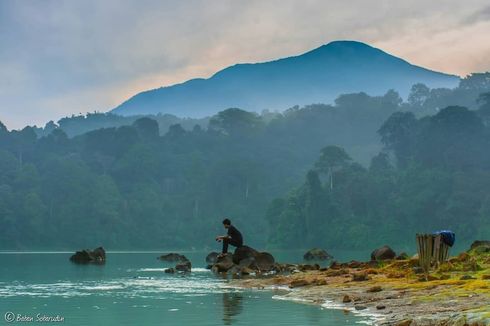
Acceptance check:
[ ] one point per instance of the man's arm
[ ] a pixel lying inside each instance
(222, 237)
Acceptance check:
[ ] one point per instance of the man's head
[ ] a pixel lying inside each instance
(226, 223)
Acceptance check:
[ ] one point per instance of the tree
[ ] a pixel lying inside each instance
(331, 158)
(484, 107)
(235, 122)
(397, 134)
(147, 128)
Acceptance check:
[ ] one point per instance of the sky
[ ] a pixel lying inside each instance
(59, 58)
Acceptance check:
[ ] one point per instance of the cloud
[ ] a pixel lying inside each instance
(63, 57)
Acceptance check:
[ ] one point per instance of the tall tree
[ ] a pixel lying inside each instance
(332, 158)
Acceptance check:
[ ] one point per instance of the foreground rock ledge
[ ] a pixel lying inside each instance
(458, 293)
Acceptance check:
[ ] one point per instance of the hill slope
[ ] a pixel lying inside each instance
(318, 76)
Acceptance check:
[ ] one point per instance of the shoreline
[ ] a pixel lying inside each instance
(391, 293)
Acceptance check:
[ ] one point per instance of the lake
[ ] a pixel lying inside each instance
(132, 289)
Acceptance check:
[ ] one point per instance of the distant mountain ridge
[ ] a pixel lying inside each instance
(317, 76)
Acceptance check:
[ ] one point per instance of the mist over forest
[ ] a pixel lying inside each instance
(364, 171)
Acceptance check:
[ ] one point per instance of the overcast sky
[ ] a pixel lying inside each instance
(59, 58)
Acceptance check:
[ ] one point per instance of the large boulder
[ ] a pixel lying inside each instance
(317, 254)
(243, 252)
(264, 261)
(223, 264)
(383, 253)
(244, 260)
(173, 257)
(211, 258)
(89, 256)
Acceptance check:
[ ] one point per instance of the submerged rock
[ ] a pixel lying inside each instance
(317, 254)
(169, 270)
(173, 257)
(87, 256)
(383, 253)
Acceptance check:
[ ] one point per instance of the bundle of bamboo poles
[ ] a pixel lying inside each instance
(432, 251)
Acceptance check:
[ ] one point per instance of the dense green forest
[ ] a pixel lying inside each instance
(131, 185)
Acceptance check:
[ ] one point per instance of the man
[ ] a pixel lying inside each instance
(234, 237)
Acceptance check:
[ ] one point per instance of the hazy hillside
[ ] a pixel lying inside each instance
(318, 76)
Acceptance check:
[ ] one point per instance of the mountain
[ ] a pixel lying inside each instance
(317, 76)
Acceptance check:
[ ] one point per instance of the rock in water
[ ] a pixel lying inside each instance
(317, 254)
(87, 256)
(383, 253)
(243, 252)
(264, 261)
(211, 258)
(173, 257)
(244, 259)
(183, 267)
(223, 264)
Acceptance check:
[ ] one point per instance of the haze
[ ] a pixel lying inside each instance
(63, 57)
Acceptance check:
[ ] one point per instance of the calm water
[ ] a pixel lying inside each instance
(132, 289)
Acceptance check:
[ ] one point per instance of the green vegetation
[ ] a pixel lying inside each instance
(133, 185)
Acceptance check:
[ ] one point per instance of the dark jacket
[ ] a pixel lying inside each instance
(235, 235)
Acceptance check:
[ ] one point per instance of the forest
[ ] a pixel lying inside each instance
(365, 170)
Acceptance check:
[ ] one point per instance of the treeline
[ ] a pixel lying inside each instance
(79, 124)
(137, 186)
(433, 174)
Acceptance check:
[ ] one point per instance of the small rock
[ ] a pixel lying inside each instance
(169, 270)
(480, 243)
(183, 267)
(375, 289)
(298, 283)
(320, 282)
(402, 256)
(406, 322)
(317, 254)
(354, 264)
(173, 257)
(380, 307)
(418, 270)
(359, 277)
(432, 278)
(360, 307)
(346, 299)
(383, 253)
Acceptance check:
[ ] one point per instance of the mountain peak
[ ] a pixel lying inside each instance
(317, 76)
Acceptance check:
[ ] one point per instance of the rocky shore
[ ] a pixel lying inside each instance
(394, 291)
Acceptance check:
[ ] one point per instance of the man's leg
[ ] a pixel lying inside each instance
(226, 242)
(225, 246)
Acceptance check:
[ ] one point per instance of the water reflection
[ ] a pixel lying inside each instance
(232, 306)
